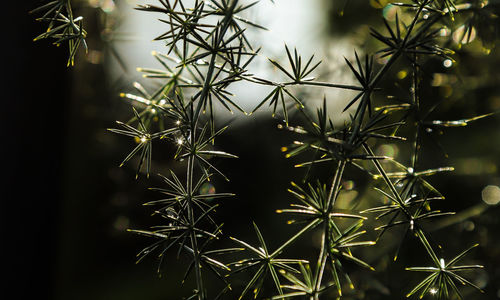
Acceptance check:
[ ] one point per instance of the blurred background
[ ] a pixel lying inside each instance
(66, 204)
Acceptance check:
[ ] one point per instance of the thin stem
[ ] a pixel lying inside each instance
(416, 110)
(191, 219)
(327, 84)
(325, 241)
(323, 255)
(334, 188)
(376, 79)
(211, 66)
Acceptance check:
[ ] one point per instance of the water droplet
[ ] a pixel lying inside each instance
(207, 189)
(410, 170)
(447, 63)
(426, 16)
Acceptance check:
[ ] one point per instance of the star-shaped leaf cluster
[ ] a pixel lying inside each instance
(317, 209)
(62, 26)
(329, 144)
(423, 42)
(144, 140)
(307, 286)
(265, 262)
(444, 276)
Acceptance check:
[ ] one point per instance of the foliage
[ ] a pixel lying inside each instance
(207, 51)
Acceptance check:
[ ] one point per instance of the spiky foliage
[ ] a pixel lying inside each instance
(266, 262)
(62, 26)
(207, 50)
(444, 275)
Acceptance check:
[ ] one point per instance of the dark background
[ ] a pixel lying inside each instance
(65, 204)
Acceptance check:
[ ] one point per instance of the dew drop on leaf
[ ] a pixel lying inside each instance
(207, 189)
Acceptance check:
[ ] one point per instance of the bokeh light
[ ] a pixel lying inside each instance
(491, 195)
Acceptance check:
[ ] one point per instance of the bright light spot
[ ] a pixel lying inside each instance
(137, 85)
(441, 263)
(143, 139)
(433, 291)
(402, 74)
(106, 5)
(491, 194)
(464, 35)
(207, 188)
(180, 141)
(153, 111)
(426, 16)
(162, 102)
(178, 122)
(390, 150)
(349, 185)
(444, 32)
(389, 12)
(410, 170)
(447, 63)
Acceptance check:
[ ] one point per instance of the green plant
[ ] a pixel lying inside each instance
(208, 51)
